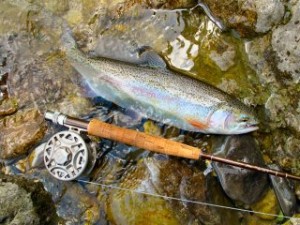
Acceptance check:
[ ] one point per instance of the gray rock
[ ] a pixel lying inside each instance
(280, 102)
(284, 193)
(269, 13)
(285, 42)
(74, 204)
(25, 202)
(236, 181)
(21, 211)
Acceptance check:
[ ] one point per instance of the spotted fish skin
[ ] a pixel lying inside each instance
(162, 95)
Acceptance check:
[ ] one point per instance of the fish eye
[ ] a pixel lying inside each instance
(244, 118)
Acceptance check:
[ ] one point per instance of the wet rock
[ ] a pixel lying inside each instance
(16, 213)
(248, 17)
(7, 107)
(120, 210)
(36, 157)
(41, 79)
(285, 42)
(41, 84)
(229, 86)
(236, 181)
(284, 192)
(279, 99)
(166, 177)
(74, 204)
(269, 13)
(58, 6)
(19, 132)
(25, 202)
(120, 6)
(237, 15)
(11, 23)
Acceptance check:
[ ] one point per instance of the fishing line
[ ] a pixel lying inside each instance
(184, 200)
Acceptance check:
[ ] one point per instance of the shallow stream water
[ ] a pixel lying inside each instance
(35, 76)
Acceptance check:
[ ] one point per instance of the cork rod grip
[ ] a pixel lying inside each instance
(142, 140)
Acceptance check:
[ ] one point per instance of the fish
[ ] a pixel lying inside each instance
(157, 93)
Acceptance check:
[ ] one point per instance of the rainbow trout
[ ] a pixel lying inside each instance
(162, 95)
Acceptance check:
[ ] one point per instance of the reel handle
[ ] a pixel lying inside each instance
(142, 140)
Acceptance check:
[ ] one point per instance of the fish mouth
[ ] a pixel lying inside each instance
(249, 128)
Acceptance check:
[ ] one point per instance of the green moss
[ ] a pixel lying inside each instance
(268, 204)
(151, 128)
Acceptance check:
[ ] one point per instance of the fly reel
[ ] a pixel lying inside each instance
(67, 156)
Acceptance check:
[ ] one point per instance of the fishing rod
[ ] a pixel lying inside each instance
(67, 157)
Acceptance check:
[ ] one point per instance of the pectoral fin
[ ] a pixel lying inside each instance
(148, 57)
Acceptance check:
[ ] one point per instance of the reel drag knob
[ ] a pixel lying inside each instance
(66, 155)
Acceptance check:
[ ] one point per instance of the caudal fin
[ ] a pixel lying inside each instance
(67, 39)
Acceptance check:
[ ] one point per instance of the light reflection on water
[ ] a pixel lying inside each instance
(187, 51)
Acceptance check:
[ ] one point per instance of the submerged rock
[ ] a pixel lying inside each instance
(164, 178)
(223, 56)
(47, 84)
(25, 202)
(236, 181)
(19, 132)
(74, 204)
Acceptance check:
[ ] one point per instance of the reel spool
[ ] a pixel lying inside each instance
(67, 156)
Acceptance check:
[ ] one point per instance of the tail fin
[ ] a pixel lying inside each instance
(67, 39)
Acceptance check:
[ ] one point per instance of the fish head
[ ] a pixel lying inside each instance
(233, 120)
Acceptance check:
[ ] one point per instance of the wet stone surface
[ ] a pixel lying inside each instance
(7, 107)
(25, 202)
(280, 126)
(73, 203)
(285, 192)
(236, 181)
(19, 132)
(167, 177)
